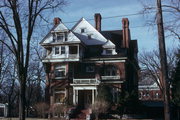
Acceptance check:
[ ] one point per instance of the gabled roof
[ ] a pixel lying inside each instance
(48, 39)
(96, 37)
(49, 33)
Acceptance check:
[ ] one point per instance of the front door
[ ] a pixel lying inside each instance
(84, 98)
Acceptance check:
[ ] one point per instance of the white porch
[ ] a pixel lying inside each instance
(89, 93)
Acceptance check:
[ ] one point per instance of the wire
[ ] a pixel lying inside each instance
(109, 17)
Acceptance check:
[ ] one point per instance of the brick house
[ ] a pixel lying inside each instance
(150, 92)
(80, 59)
(148, 88)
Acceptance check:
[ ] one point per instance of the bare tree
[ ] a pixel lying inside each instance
(8, 85)
(35, 81)
(171, 11)
(18, 20)
(150, 65)
(99, 106)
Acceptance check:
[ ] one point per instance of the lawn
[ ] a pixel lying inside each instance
(56, 119)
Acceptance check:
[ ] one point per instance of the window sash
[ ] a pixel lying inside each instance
(108, 51)
(60, 37)
(63, 50)
(60, 72)
(56, 50)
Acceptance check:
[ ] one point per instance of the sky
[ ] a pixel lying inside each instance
(146, 36)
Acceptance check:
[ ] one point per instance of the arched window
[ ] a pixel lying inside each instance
(110, 71)
(60, 71)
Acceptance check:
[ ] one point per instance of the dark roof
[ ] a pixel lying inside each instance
(115, 36)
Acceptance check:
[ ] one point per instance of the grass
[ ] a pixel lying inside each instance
(56, 119)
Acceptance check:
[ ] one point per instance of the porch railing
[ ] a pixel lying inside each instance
(110, 77)
(86, 81)
(73, 55)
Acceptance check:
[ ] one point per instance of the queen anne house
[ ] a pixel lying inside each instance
(80, 59)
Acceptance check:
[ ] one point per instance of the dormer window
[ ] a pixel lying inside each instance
(54, 37)
(60, 37)
(66, 36)
(108, 52)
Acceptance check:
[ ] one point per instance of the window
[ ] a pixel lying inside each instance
(60, 37)
(56, 50)
(62, 49)
(82, 30)
(89, 68)
(60, 71)
(72, 49)
(110, 71)
(66, 36)
(59, 97)
(157, 95)
(108, 52)
(54, 37)
(140, 95)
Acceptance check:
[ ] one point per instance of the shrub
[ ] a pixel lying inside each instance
(99, 106)
(42, 109)
(59, 110)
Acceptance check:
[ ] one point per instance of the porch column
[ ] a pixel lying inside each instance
(93, 96)
(74, 96)
(96, 92)
(78, 50)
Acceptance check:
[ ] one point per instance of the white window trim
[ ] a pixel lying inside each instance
(108, 50)
(64, 50)
(55, 34)
(55, 50)
(60, 47)
(60, 67)
(85, 30)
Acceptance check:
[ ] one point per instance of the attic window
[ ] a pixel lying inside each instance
(66, 36)
(108, 52)
(60, 37)
(54, 37)
(83, 30)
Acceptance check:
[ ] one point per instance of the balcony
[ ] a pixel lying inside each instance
(73, 56)
(110, 77)
(86, 81)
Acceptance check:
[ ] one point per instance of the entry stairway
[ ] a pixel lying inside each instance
(84, 114)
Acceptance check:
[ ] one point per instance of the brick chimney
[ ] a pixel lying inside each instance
(57, 21)
(97, 18)
(126, 32)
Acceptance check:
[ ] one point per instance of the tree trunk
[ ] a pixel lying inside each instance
(9, 110)
(22, 100)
